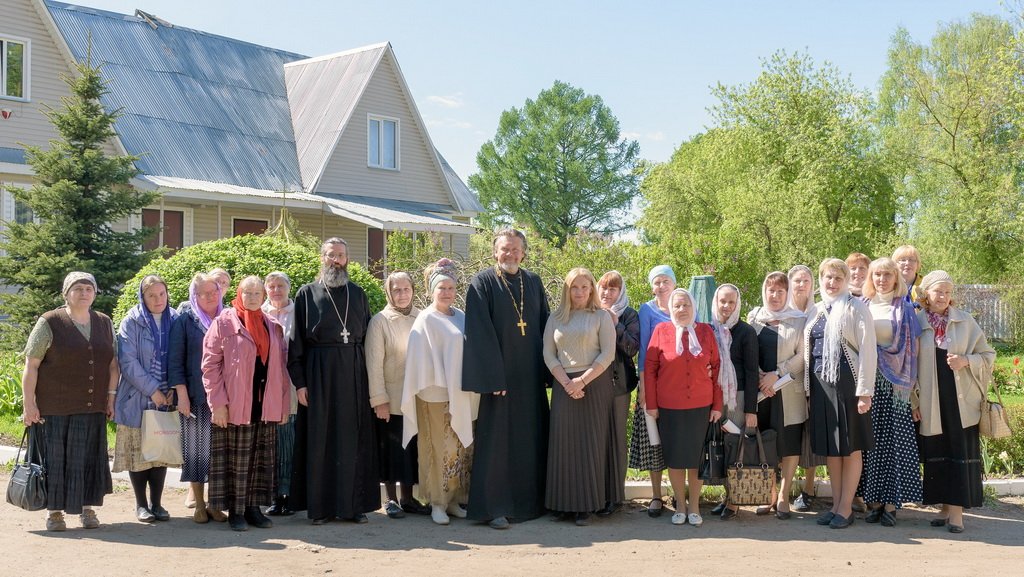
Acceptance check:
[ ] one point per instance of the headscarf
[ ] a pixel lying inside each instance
(406, 310)
(836, 309)
(936, 320)
(193, 298)
(622, 302)
(723, 334)
(255, 323)
(75, 277)
(692, 342)
(809, 307)
(443, 269)
(898, 361)
(161, 334)
(661, 269)
(765, 316)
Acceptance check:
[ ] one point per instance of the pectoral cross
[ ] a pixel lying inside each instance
(344, 335)
(522, 326)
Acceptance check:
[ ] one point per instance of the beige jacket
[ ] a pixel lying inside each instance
(387, 339)
(790, 355)
(963, 337)
(859, 345)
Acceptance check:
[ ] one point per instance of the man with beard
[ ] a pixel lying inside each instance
(506, 309)
(335, 468)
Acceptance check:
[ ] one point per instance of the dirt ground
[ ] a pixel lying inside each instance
(629, 543)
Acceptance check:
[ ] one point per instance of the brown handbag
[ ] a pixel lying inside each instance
(750, 484)
(994, 424)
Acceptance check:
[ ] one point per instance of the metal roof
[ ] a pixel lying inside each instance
(193, 104)
(467, 201)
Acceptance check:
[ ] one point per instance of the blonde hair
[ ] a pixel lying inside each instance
(857, 258)
(884, 264)
(565, 306)
(834, 265)
(906, 250)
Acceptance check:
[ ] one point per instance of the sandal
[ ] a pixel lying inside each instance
(655, 512)
(764, 509)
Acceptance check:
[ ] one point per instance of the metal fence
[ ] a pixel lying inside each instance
(983, 301)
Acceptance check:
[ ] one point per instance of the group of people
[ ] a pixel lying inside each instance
(311, 404)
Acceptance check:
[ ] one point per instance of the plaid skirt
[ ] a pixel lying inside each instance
(128, 451)
(242, 466)
(73, 449)
(643, 455)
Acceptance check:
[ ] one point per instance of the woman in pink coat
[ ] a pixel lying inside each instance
(244, 356)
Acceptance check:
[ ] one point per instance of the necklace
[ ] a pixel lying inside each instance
(518, 307)
(344, 321)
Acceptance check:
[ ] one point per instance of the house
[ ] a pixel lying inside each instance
(229, 131)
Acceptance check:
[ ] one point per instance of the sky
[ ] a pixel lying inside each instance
(653, 63)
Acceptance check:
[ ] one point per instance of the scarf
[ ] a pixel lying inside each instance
(255, 322)
(723, 334)
(788, 311)
(836, 309)
(938, 323)
(193, 299)
(161, 334)
(406, 310)
(694, 344)
(619, 306)
(898, 361)
(807, 310)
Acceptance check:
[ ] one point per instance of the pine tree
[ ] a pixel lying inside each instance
(80, 191)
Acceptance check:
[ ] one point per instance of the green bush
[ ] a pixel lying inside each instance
(241, 256)
(10, 384)
(1006, 456)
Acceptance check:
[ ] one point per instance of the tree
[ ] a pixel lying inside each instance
(80, 192)
(558, 165)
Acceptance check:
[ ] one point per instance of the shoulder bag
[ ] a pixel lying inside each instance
(995, 423)
(27, 487)
(750, 484)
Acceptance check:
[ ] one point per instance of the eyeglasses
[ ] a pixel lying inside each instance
(209, 294)
(252, 294)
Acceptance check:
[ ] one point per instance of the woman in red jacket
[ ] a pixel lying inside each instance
(682, 392)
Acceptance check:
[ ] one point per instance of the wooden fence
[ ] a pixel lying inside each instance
(983, 301)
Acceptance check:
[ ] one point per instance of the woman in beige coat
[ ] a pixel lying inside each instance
(954, 369)
(386, 340)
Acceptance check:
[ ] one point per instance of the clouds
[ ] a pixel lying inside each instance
(449, 101)
(656, 136)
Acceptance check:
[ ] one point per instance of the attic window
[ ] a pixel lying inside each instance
(14, 68)
(382, 142)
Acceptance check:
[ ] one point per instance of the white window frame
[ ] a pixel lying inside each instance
(380, 139)
(26, 70)
(7, 208)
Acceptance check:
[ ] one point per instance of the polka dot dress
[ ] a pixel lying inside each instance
(892, 471)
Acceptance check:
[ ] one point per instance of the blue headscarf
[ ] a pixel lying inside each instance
(161, 334)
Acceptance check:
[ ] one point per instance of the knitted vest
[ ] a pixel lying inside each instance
(75, 373)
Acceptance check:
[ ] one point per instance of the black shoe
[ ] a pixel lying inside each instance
(160, 513)
(728, 513)
(938, 522)
(415, 508)
(321, 520)
(840, 522)
(280, 507)
(653, 511)
(394, 510)
(782, 515)
(237, 522)
(874, 516)
(888, 518)
(609, 509)
(256, 518)
(719, 509)
(359, 519)
(582, 519)
(145, 515)
(826, 518)
(956, 528)
(803, 503)
(498, 523)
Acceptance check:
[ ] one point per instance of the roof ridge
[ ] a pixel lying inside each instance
(349, 52)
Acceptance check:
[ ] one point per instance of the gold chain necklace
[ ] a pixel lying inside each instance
(522, 298)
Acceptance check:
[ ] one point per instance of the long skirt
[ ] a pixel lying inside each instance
(952, 459)
(682, 435)
(285, 454)
(73, 449)
(836, 428)
(579, 447)
(643, 455)
(242, 466)
(892, 469)
(444, 463)
(195, 444)
(616, 484)
(128, 452)
(398, 464)
(771, 415)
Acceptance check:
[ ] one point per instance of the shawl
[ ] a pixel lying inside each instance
(161, 334)
(809, 307)
(623, 301)
(694, 344)
(723, 334)
(204, 318)
(788, 311)
(255, 323)
(836, 309)
(938, 323)
(898, 361)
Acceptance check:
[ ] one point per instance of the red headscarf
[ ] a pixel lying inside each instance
(255, 323)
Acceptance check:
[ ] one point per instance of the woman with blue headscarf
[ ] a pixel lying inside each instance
(142, 352)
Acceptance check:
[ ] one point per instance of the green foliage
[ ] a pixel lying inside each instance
(1006, 456)
(10, 385)
(242, 256)
(558, 165)
(79, 192)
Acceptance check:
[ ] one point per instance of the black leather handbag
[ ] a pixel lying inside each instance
(712, 467)
(27, 488)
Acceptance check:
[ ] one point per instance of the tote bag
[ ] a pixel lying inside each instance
(161, 437)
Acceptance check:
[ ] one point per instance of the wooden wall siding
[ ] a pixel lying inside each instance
(418, 178)
(460, 245)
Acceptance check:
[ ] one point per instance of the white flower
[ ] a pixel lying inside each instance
(1004, 456)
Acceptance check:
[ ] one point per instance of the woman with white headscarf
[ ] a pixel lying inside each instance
(839, 368)
(800, 296)
(738, 375)
(681, 384)
(780, 334)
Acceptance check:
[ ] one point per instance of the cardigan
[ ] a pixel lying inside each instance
(790, 360)
(185, 353)
(963, 337)
(743, 353)
(858, 345)
(387, 338)
(673, 381)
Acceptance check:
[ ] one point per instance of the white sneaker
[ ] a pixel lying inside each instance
(438, 515)
(456, 510)
(695, 519)
(679, 519)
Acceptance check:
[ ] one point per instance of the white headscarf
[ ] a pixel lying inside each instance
(765, 316)
(836, 318)
(809, 307)
(723, 333)
(693, 343)
(623, 301)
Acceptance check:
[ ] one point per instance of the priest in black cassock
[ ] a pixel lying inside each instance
(335, 469)
(503, 360)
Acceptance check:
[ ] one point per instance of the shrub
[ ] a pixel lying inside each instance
(1012, 446)
(242, 256)
(10, 384)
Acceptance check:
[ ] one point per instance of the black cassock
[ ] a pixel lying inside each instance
(511, 440)
(335, 463)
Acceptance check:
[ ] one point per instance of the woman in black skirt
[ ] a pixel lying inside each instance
(954, 369)
(840, 360)
(70, 378)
